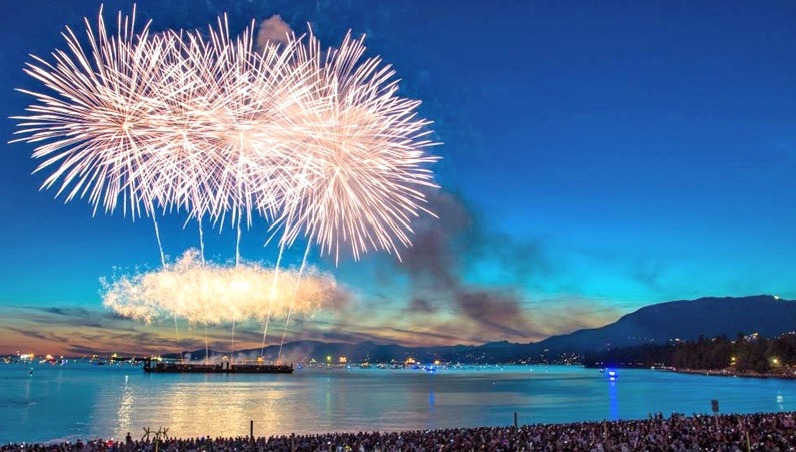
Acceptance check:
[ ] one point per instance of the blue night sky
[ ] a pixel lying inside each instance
(598, 157)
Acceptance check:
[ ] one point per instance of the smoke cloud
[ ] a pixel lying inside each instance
(273, 29)
(451, 252)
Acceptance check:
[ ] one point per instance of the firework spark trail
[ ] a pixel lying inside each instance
(293, 297)
(272, 295)
(317, 142)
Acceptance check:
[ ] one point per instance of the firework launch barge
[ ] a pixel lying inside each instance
(159, 367)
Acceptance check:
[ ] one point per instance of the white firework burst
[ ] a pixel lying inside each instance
(317, 142)
(97, 128)
(358, 179)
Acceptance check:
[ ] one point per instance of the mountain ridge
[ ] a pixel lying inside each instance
(767, 315)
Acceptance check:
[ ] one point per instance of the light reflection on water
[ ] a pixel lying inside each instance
(109, 401)
(126, 410)
(613, 402)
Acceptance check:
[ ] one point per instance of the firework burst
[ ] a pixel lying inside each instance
(210, 294)
(316, 141)
(357, 182)
(96, 129)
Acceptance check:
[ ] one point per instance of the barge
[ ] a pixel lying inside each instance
(160, 367)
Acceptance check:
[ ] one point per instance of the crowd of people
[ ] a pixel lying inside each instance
(733, 432)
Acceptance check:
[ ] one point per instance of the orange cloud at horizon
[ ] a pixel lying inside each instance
(77, 331)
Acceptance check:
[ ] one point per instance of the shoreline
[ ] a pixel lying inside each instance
(784, 374)
(758, 431)
(733, 373)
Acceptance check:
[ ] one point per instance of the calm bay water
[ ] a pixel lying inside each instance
(83, 401)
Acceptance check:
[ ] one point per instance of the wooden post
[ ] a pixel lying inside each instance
(251, 429)
(515, 419)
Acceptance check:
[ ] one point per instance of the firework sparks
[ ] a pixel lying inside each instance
(317, 141)
(358, 177)
(96, 129)
(210, 294)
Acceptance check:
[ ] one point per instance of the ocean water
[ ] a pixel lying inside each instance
(84, 401)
